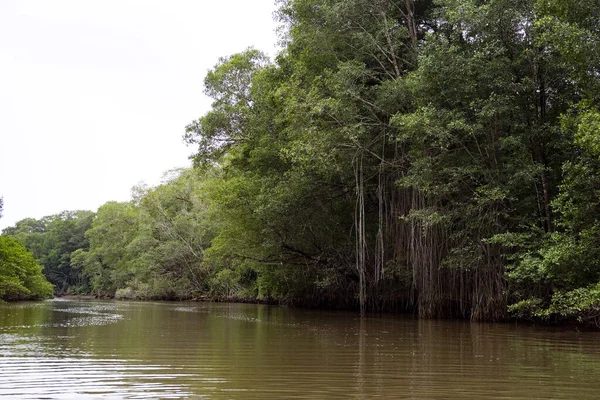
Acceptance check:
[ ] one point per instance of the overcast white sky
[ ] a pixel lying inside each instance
(95, 95)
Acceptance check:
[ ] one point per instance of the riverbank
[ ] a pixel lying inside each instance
(588, 324)
(79, 297)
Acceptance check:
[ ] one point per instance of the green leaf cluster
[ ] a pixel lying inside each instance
(20, 275)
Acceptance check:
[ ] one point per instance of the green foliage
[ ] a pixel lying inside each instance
(587, 136)
(151, 247)
(52, 240)
(526, 309)
(106, 264)
(581, 305)
(225, 284)
(20, 275)
(230, 85)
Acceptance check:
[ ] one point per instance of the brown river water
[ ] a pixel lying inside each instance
(86, 349)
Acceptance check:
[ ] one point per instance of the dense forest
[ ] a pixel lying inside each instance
(440, 157)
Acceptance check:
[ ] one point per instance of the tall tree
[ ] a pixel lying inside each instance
(319, 155)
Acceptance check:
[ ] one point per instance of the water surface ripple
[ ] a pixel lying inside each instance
(84, 349)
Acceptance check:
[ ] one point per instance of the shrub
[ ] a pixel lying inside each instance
(20, 275)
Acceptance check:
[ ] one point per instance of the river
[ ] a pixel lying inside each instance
(87, 349)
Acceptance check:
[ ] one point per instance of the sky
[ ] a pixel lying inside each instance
(95, 95)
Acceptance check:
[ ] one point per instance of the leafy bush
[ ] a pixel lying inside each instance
(526, 309)
(581, 305)
(20, 275)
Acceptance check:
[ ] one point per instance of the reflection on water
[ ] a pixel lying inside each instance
(104, 349)
(38, 362)
(81, 377)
